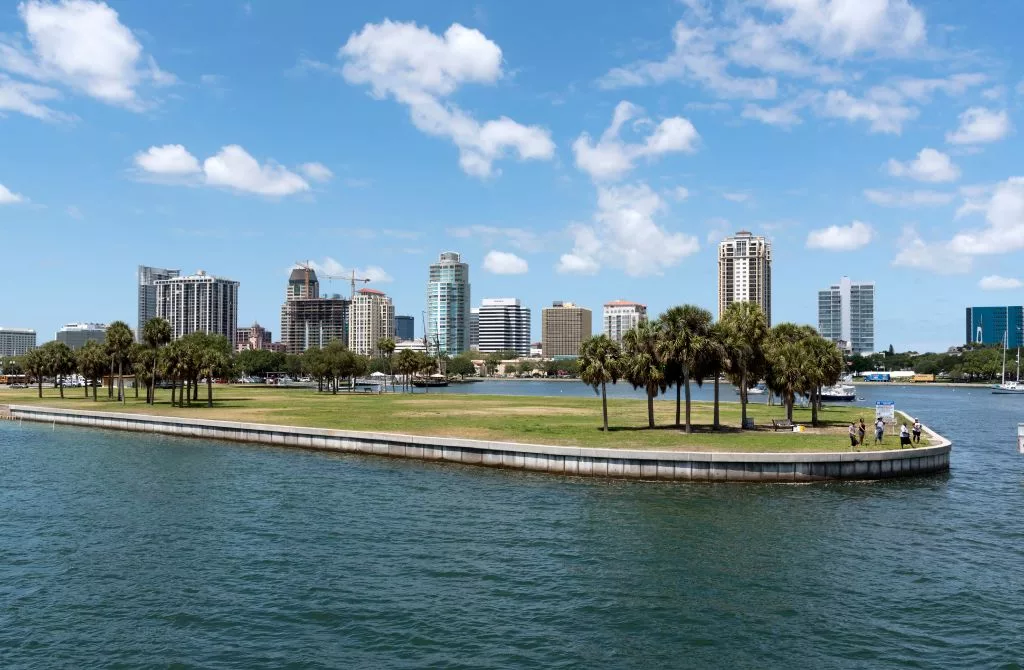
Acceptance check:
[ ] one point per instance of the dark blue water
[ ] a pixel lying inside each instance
(142, 551)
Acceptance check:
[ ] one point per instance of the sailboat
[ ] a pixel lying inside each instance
(1004, 387)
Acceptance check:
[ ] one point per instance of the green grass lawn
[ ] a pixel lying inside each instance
(528, 419)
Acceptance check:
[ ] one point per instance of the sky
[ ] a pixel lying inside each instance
(583, 151)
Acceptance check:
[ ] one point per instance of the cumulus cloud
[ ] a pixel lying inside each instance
(83, 45)
(332, 270)
(936, 257)
(232, 167)
(680, 193)
(316, 171)
(908, 199)
(884, 112)
(504, 263)
(611, 157)
(624, 235)
(9, 198)
(857, 235)
(421, 70)
(979, 125)
(1004, 223)
(930, 166)
(997, 283)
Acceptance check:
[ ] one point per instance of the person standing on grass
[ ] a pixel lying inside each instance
(917, 431)
(904, 436)
(861, 430)
(879, 430)
(853, 435)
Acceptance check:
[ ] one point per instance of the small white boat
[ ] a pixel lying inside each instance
(760, 389)
(839, 393)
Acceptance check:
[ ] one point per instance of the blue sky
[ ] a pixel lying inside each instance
(571, 151)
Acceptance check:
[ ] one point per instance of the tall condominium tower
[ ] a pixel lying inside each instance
(371, 317)
(620, 316)
(745, 272)
(147, 293)
(199, 303)
(564, 326)
(448, 295)
(307, 320)
(846, 315)
(504, 326)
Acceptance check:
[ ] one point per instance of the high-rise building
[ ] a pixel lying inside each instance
(405, 328)
(371, 317)
(620, 316)
(253, 338)
(474, 329)
(745, 272)
(147, 293)
(993, 325)
(308, 320)
(16, 341)
(448, 295)
(846, 315)
(75, 335)
(199, 303)
(564, 326)
(504, 326)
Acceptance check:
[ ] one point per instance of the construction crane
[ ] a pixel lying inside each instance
(351, 278)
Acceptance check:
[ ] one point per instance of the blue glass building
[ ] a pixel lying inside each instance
(448, 294)
(405, 328)
(988, 325)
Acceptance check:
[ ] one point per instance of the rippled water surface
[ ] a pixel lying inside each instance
(121, 549)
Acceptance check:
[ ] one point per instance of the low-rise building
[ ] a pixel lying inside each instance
(252, 338)
(75, 335)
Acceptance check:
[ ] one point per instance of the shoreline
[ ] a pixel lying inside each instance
(637, 464)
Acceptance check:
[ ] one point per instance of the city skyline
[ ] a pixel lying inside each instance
(592, 158)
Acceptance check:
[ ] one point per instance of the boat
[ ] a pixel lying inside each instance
(433, 381)
(839, 393)
(760, 389)
(1004, 387)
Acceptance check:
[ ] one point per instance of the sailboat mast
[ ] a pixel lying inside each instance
(1005, 332)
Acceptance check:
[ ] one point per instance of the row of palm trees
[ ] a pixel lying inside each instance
(686, 345)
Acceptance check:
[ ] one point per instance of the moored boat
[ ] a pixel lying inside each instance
(839, 393)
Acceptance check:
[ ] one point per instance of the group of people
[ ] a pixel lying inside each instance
(857, 433)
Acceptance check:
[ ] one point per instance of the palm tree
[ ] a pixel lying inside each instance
(119, 341)
(214, 358)
(599, 364)
(34, 364)
(406, 363)
(641, 364)
(59, 360)
(684, 341)
(386, 346)
(785, 354)
(823, 367)
(745, 329)
(156, 333)
(713, 362)
(92, 361)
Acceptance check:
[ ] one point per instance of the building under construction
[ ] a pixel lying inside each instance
(308, 320)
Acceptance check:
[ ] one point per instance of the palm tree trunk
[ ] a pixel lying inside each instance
(39, 378)
(679, 390)
(209, 391)
(790, 401)
(120, 382)
(743, 400)
(136, 387)
(716, 424)
(152, 382)
(85, 387)
(94, 381)
(110, 389)
(604, 405)
(650, 408)
(814, 407)
(174, 387)
(686, 382)
(60, 382)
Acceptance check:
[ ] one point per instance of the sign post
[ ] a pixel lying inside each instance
(886, 411)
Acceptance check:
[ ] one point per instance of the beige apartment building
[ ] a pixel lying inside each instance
(371, 317)
(745, 272)
(564, 326)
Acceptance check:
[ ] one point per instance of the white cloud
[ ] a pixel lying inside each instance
(611, 158)
(519, 238)
(624, 235)
(930, 166)
(908, 199)
(841, 238)
(332, 270)
(420, 69)
(784, 116)
(680, 193)
(83, 45)
(504, 263)
(232, 167)
(9, 198)
(170, 159)
(997, 283)
(932, 257)
(1004, 218)
(27, 99)
(316, 171)
(922, 90)
(884, 112)
(736, 196)
(842, 28)
(979, 125)
(994, 93)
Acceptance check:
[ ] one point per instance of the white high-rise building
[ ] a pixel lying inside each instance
(75, 335)
(504, 326)
(745, 272)
(846, 315)
(448, 295)
(16, 341)
(147, 293)
(620, 316)
(371, 317)
(199, 303)
(474, 328)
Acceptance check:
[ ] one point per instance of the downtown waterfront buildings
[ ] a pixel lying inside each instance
(621, 315)
(147, 279)
(199, 303)
(371, 317)
(990, 325)
(564, 326)
(745, 272)
(448, 305)
(504, 326)
(75, 335)
(308, 320)
(846, 315)
(16, 341)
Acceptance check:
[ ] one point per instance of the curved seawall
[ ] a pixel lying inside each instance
(612, 463)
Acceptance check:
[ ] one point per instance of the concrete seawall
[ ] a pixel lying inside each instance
(583, 461)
